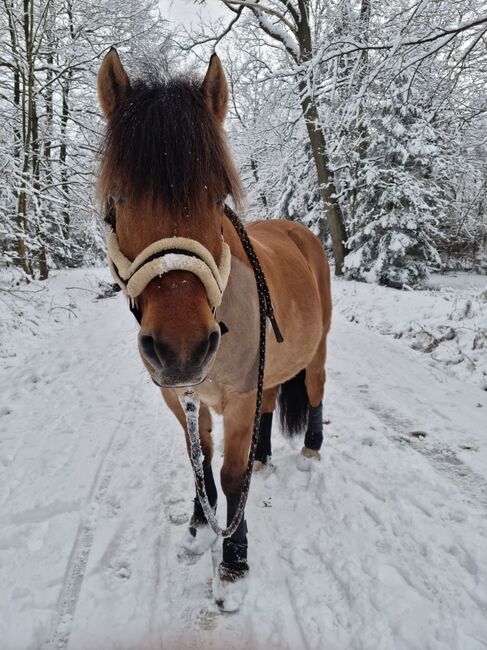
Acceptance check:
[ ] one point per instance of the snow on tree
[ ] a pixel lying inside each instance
(50, 130)
(367, 122)
(402, 203)
(391, 91)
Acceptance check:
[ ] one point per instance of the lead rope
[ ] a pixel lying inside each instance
(191, 404)
(262, 287)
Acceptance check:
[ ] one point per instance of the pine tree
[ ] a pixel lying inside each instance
(401, 202)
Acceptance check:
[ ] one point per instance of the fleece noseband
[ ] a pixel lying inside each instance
(170, 254)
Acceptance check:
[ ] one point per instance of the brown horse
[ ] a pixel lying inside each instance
(166, 172)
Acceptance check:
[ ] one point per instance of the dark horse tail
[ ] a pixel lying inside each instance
(293, 405)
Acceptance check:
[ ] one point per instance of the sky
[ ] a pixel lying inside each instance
(186, 11)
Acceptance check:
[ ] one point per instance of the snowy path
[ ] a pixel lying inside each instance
(382, 546)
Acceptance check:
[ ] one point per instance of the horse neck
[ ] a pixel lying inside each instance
(236, 362)
(233, 240)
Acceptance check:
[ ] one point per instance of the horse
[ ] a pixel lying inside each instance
(165, 175)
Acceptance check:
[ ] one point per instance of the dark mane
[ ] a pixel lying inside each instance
(163, 142)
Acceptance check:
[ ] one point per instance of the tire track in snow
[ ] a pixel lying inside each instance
(375, 405)
(441, 456)
(76, 567)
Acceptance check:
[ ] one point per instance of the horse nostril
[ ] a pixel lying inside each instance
(214, 341)
(156, 351)
(147, 347)
(205, 349)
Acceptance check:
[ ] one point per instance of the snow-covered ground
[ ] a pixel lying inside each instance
(447, 322)
(382, 546)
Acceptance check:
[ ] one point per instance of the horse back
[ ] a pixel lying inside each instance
(288, 249)
(298, 274)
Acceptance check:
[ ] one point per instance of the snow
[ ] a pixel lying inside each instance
(383, 544)
(446, 322)
(281, 34)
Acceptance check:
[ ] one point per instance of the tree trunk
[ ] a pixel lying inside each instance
(362, 130)
(334, 217)
(253, 166)
(63, 156)
(43, 267)
(19, 194)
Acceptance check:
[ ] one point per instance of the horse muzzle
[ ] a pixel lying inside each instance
(172, 368)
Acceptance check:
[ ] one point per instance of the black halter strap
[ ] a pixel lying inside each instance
(132, 306)
(135, 311)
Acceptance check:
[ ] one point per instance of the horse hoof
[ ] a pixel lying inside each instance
(306, 457)
(196, 541)
(230, 586)
(264, 469)
(310, 453)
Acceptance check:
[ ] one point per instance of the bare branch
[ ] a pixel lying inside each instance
(258, 7)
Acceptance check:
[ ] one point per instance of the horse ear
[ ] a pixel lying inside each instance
(113, 82)
(215, 89)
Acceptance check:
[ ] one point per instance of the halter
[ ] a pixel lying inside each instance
(165, 255)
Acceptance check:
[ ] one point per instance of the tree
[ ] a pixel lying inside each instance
(343, 59)
(291, 25)
(396, 226)
(51, 130)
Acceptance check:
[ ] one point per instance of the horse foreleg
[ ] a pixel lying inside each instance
(229, 587)
(200, 537)
(237, 418)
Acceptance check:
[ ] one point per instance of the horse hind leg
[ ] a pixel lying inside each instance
(263, 451)
(311, 382)
(199, 536)
(315, 386)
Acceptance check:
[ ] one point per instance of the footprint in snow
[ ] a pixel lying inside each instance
(419, 435)
(123, 571)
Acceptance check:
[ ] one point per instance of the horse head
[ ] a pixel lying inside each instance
(165, 173)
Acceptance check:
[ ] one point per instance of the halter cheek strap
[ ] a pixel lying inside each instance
(170, 254)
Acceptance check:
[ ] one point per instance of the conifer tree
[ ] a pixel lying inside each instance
(402, 204)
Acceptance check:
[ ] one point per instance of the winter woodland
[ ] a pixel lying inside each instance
(364, 120)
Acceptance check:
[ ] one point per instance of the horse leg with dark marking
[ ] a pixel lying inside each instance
(238, 417)
(315, 386)
(263, 451)
(234, 563)
(200, 536)
(313, 438)
(199, 518)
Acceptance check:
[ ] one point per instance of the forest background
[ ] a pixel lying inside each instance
(366, 121)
